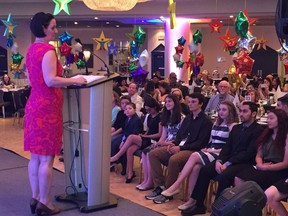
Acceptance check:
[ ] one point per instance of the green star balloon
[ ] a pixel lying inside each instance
(241, 25)
(17, 58)
(80, 64)
(61, 5)
(197, 37)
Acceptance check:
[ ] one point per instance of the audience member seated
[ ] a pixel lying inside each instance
(135, 141)
(251, 95)
(193, 135)
(117, 132)
(238, 153)
(227, 118)
(275, 194)
(115, 106)
(184, 108)
(223, 95)
(135, 97)
(208, 88)
(272, 157)
(276, 83)
(265, 88)
(6, 82)
(164, 90)
(282, 103)
(171, 119)
(150, 91)
(123, 84)
(172, 80)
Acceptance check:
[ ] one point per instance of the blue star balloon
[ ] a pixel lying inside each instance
(10, 26)
(112, 49)
(10, 41)
(65, 37)
(181, 41)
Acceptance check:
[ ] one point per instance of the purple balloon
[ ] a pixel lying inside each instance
(196, 69)
(70, 59)
(139, 75)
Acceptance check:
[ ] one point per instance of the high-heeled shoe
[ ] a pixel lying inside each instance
(33, 204)
(43, 209)
(129, 180)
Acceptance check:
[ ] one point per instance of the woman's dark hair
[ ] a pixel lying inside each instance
(280, 139)
(38, 22)
(270, 84)
(165, 86)
(150, 87)
(152, 103)
(171, 118)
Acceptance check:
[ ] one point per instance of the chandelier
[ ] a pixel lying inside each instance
(111, 5)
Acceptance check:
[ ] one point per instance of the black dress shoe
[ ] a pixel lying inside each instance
(42, 209)
(193, 211)
(33, 204)
(129, 180)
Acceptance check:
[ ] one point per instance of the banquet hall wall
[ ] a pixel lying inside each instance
(212, 46)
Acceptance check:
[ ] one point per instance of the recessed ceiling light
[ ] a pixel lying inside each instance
(96, 18)
(254, 24)
(231, 16)
(221, 21)
(142, 21)
(107, 23)
(59, 26)
(76, 23)
(117, 26)
(88, 26)
(161, 17)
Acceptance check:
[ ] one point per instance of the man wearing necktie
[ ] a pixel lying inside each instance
(223, 95)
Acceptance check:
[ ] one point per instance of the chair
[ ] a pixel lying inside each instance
(19, 106)
(3, 103)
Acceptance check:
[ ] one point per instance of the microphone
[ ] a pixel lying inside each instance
(105, 65)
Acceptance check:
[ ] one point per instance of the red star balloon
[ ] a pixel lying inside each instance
(229, 40)
(65, 49)
(286, 67)
(215, 26)
(243, 63)
(199, 61)
(179, 49)
(189, 64)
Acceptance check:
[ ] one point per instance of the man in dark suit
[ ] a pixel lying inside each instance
(238, 153)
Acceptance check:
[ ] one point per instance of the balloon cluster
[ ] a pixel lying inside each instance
(242, 61)
(137, 39)
(179, 50)
(10, 34)
(283, 55)
(196, 58)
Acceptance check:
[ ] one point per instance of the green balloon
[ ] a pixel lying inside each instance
(80, 64)
(197, 37)
(180, 64)
(140, 35)
(132, 67)
(17, 58)
(241, 25)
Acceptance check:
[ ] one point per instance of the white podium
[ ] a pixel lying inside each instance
(87, 138)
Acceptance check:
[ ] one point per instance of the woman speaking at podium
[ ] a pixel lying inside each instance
(43, 112)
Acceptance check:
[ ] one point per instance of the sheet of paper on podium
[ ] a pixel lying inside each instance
(89, 78)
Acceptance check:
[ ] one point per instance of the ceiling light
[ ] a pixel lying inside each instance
(107, 23)
(231, 16)
(76, 23)
(221, 21)
(117, 26)
(110, 5)
(96, 18)
(161, 17)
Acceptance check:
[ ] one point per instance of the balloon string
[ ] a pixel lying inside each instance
(245, 5)
(216, 7)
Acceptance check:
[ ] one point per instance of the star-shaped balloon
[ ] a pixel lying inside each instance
(131, 35)
(112, 49)
(61, 5)
(172, 13)
(197, 37)
(199, 61)
(215, 26)
(65, 49)
(139, 75)
(17, 58)
(229, 40)
(251, 21)
(140, 35)
(261, 43)
(10, 26)
(247, 43)
(102, 42)
(180, 64)
(65, 37)
(80, 64)
(241, 25)
(243, 63)
(179, 49)
(181, 41)
(194, 48)
(189, 63)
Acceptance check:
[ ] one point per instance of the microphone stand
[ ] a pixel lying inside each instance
(105, 65)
